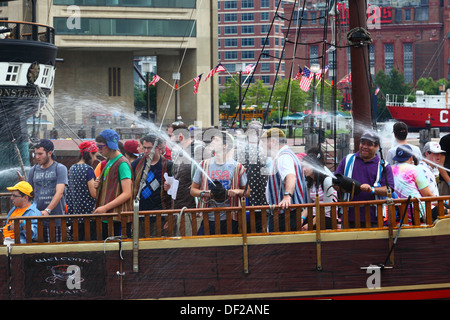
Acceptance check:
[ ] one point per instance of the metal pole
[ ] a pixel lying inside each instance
(176, 100)
(240, 98)
(147, 80)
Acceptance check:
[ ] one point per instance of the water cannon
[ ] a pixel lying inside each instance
(218, 192)
(346, 184)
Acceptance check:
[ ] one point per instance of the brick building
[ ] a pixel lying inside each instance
(411, 36)
(243, 27)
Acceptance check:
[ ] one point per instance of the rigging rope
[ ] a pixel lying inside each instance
(181, 62)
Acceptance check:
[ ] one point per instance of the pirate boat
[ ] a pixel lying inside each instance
(399, 258)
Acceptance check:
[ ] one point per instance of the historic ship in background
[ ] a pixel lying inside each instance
(27, 69)
(359, 263)
(425, 111)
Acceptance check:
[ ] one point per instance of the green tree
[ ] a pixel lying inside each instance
(392, 84)
(295, 98)
(429, 86)
(230, 95)
(140, 99)
(257, 94)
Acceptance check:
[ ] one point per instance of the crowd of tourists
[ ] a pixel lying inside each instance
(190, 168)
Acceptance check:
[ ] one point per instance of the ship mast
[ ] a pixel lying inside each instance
(362, 111)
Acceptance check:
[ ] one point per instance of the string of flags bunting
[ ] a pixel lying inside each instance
(304, 75)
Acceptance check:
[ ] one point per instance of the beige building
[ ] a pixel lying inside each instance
(98, 41)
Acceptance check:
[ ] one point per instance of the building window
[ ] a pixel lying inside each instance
(407, 14)
(408, 62)
(372, 59)
(230, 17)
(247, 55)
(247, 4)
(247, 16)
(264, 4)
(247, 29)
(313, 54)
(12, 74)
(388, 57)
(231, 67)
(264, 16)
(247, 42)
(230, 30)
(421, 14)
(265, 67)
(266, 41)
(264, 28)
(127, 27)
(114, 82)
(130, 3)
(313, 17)
(265, 79)
(230, 43)
(230, 55)
(230, 5)
(46, 76)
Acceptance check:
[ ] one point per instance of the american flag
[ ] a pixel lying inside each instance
(155, 79)
(346, 79)
(299, 74)
(320, 73)
(249, 68)
(377, 89)
(217, 68)
(305, 81)
(197, 82)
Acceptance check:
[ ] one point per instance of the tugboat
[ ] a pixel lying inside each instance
(426, 110)
(27, 69)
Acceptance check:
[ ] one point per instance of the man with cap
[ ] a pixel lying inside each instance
(432, 156)
(131, 150)
(400, 133)
(48, 179)
(410, 180)
(23, 206)
(286, 181)
(365, 167)
(114, 185)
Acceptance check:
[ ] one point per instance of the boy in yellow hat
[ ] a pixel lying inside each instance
(22, 199)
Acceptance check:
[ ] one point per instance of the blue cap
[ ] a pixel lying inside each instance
(403, 153)
(112, 138)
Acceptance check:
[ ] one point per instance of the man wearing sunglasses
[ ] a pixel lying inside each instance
(23, 205)
(365, 167)
(114, 186)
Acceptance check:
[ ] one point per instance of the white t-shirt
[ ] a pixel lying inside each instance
(285, 166)
(391, 153)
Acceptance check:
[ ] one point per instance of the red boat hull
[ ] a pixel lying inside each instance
(416, 117)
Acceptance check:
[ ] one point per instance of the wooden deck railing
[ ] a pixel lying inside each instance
(185, 223)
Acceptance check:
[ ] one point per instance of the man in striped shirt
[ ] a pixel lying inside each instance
(286, 181)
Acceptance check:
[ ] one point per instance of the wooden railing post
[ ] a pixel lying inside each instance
(244, 234)
(318, 236)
